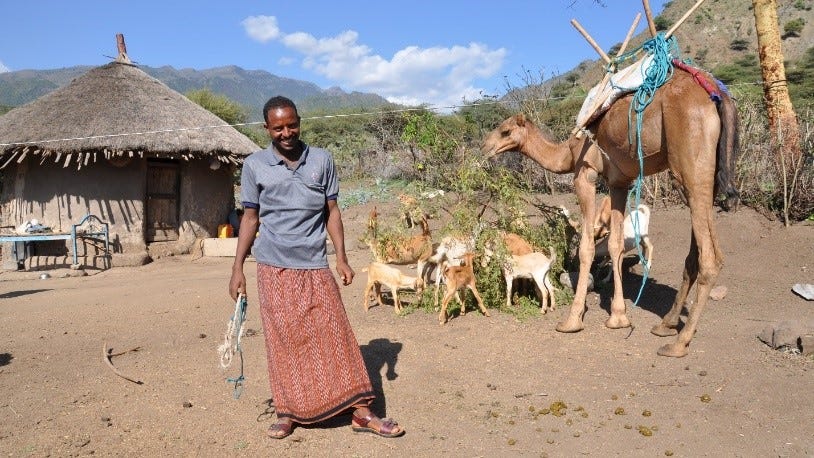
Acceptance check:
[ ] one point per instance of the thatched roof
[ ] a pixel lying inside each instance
(117, 111)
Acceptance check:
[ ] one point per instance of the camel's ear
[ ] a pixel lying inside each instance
(520, 119)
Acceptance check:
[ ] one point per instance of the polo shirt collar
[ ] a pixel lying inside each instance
(278, 158)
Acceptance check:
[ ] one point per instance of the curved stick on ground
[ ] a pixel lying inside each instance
(106, 356)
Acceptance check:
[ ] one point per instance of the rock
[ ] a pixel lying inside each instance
(787, 334)
(807, 344)
(805, 291)
(718, 293)
(568, 279)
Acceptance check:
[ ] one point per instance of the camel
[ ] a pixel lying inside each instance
(683, 131)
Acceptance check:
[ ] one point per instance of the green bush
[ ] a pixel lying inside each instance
(793, 28)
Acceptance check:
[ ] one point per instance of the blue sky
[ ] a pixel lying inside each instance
(433, 52)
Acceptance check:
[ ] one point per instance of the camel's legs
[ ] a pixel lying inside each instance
(669, 323)
(585, 190)
(616, 242)
(709, 261)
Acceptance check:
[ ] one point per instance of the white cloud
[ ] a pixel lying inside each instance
(439, 76)
(3, 68)
(261, 28)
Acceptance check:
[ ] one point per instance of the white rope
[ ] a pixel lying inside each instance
(234, 331)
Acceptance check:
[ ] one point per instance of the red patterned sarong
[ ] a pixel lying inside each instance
(315, 367)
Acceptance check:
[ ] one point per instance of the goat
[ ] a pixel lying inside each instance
(403, 249)
(379, 274)
(601, 228)
(640, 215)
(514, 244)
(450, 251)
(373, 224)
(535, 266)
(457, 278)
(412, 212)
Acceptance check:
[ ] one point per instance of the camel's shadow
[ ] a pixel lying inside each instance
(655, 297)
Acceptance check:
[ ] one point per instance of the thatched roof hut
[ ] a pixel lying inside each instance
(117, 110)
(120, 144)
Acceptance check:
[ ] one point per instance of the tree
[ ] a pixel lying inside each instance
(783, 123)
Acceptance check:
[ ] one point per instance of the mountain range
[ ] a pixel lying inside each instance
(250, 88)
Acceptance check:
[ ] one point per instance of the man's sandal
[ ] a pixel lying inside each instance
(387, 428)
(280, 430)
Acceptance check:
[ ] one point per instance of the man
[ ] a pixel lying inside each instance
(289, 192)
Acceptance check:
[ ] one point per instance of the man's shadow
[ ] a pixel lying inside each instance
(378, 354)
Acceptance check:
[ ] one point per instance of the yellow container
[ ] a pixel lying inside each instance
(225, 231)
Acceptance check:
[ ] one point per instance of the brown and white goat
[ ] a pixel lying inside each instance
(535, 266)
(635, 223)
(601, 229)
(458, 278)
(380, 274)
(449, 252)
(415, 249)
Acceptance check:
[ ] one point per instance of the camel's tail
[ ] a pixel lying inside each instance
(726, 189)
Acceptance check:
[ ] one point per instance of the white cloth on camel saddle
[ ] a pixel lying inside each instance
(601, 97)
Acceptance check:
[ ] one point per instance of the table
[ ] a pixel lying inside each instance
(90, 226)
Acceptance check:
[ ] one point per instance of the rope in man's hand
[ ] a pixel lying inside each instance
(235, 329)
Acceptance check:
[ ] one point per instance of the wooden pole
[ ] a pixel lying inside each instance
(122, 57)
(650, 24)
(591, 41)
(120, 43)
(629, 35)
(683, 18)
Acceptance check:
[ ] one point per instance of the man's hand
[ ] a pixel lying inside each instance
(345, 272)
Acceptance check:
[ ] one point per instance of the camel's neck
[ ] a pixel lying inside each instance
(555, 157)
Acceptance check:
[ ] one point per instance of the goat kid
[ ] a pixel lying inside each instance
(380, 274)
(535, 266)
(458, 278)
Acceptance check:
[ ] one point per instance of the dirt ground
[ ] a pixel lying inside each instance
(475, 387)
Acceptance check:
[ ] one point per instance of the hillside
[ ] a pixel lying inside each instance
(250, 88)
(719, 32)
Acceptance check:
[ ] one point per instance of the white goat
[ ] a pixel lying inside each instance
(641, 215)
(535, 266)
(379, 274)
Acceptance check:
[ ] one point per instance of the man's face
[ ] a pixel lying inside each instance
(283, 125)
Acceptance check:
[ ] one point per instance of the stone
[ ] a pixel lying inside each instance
(787, 334)
(718, 293)
(807, 344)
(568, 279)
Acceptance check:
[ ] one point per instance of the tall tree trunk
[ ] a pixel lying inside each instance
(783, 123)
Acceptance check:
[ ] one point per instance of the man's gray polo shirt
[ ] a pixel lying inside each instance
(292, 206)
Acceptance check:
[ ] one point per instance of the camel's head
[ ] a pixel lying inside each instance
(508, 136)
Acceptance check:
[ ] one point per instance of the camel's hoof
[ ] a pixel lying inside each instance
(675, 350)
(486, 314)
(617, 322)
(663, 330)
(571, 325)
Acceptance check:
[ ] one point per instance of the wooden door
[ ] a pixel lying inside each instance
(163, 198)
